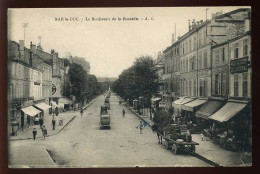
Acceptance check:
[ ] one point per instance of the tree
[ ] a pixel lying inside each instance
(138, 80)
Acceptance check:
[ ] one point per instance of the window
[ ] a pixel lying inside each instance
(187, 66)
(194, 43)
(220, 84)
(217, 56)
(187, 47)
(216, 84)
(236, 85)
(201, 89)
(190, 44)
(244, 84)
(183, 48)
(190, 87)
(194, 88)
(245, 47)
(224, 82)
(223, 54)
(204, 37)
(236, 51)
(205, 59)
(191, 64)
(200, 60)
(205, 87)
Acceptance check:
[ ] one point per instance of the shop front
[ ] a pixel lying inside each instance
(231, 125)
(67, 103)
(206, 110)
(44, 108)
(31, 114)
(178, 113)
(189, 110)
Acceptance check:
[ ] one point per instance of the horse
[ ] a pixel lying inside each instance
(159, 131)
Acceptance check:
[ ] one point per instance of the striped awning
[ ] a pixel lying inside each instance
(228, 111)
(43, 106)
(30, 110)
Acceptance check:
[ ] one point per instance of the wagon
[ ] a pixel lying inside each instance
(180, 145)
(176, 139)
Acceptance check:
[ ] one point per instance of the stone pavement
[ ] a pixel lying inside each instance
(207, 149)
(29, 157)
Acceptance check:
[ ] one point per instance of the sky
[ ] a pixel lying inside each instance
(110, 45)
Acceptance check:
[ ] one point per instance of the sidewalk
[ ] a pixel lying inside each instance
(27, 132)
(67, 116)
(207, 149)
(26, 157)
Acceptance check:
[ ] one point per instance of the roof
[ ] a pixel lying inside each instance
(232, 12)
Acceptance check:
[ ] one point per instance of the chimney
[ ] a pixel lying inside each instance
(201, 21)
(173, 39)
(189, 26)
(52, 51)
(247, 25)
(193, 24)
(21, 43)
(33, 48)
(57, 54)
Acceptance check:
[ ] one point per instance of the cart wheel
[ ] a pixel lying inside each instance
(174, 149)
(193, 149)
(166, 145)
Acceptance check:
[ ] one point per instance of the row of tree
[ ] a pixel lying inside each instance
(139, 80)
(82, 85)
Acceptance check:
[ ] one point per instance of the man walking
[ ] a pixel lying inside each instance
(41, 122)
(53, 123)
(34, 132)
(81, 111)
(123, 113)
(44, 131)
(141, 126)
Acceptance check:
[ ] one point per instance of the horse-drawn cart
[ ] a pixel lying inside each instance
(178, 139)
(180, 145)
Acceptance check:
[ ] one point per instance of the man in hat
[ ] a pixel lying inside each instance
(34, 132)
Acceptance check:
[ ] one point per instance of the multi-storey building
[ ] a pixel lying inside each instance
(196, 65)
(172, 74)
(25, 83)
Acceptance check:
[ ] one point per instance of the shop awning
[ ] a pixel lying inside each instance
(228, 111)
(210, 107)
(156, 99)
(43, 106)
(65, 100)
(191, 105)
(178, 103)
(30, 110)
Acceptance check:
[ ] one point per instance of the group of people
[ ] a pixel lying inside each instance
(44, 132)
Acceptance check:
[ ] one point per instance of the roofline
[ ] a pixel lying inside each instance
(232, 12)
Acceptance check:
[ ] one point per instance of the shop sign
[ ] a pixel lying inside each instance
(239, 65)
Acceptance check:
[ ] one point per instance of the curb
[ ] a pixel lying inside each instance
(86, 106)
(195, 155)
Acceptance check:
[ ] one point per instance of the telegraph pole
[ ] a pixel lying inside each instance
(207, 13)
(25, 25)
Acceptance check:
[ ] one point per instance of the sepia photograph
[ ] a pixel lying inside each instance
(129, 87)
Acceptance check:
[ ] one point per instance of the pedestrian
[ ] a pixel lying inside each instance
(53, 123)
(41, 122)
(202, 135)
(44, 131)
(81, 111)
(123, 113)
(141, 126)
(34, 132)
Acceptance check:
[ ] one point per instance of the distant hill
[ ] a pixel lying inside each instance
(105, 79)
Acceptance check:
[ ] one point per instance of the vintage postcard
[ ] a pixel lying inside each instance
(127, 87)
